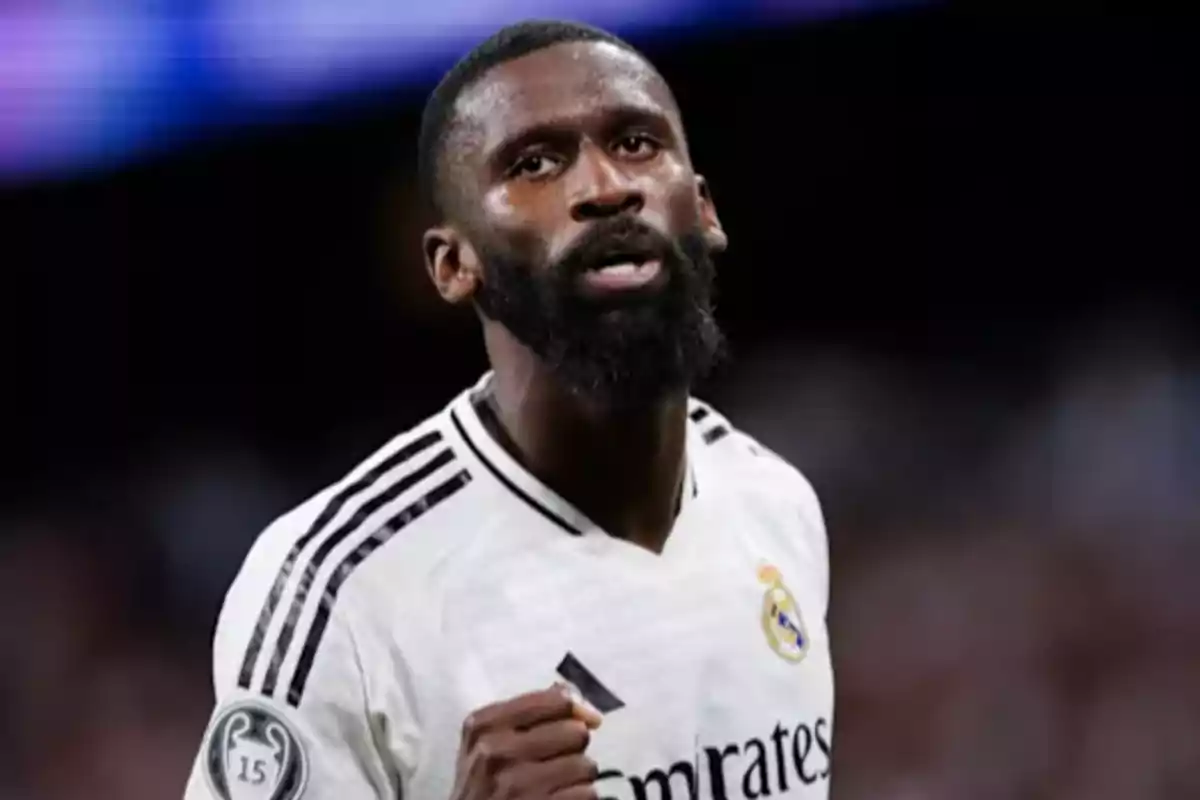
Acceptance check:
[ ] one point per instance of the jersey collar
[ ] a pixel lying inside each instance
(518, 480)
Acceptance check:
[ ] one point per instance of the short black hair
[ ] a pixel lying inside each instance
(508, 43)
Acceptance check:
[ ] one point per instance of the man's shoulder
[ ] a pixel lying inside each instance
(416, 469)
(744, 461)
(394, 493)
(738, 450)
(315, 554)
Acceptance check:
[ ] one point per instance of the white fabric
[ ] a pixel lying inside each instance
(481, 596)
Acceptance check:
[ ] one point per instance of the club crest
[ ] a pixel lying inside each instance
(781, 621)
(253, 754)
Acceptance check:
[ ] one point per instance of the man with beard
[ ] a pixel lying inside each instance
(575, 581)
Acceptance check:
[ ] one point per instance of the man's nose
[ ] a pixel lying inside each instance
(603, 189)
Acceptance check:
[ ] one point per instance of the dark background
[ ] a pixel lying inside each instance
(960, 297)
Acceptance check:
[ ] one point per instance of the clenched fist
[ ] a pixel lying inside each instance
(530, 747)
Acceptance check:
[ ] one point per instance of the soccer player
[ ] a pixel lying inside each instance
(575, 581)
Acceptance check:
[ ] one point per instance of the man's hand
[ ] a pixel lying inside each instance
(528, 747)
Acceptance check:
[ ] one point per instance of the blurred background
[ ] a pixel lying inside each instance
(959, 294)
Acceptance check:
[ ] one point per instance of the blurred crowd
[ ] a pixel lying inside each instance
(1015, 610)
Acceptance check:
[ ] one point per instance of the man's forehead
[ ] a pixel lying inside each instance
(559, 83)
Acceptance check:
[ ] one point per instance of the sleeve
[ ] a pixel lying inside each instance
(274, 744)
(812, 518)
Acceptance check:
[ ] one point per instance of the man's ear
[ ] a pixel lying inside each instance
(452, 263)
(714, 234)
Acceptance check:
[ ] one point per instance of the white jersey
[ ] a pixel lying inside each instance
(440, 576)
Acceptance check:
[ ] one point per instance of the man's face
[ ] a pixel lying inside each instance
(592, 236)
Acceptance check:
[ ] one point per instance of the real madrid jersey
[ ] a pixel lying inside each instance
(440, 576)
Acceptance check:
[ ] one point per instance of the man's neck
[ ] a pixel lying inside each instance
(623, 468)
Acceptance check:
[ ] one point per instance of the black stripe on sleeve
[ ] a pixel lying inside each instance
(336, 503)
(698, 414)
(288, 631)
(716, 434)
(329, 596)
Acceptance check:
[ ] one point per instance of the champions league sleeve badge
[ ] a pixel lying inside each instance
(781, 622)
(253, 754)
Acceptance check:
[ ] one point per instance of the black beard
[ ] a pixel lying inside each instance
(630, 351)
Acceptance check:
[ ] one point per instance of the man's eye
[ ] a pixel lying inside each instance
(536, 165)
(637, 145)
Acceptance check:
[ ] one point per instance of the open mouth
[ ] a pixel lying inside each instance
(621, 271)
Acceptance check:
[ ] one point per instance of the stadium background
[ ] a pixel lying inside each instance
(957, 292)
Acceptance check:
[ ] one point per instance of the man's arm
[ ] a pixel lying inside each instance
(258, 745)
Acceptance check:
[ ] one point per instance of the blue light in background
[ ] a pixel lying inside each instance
(73, 83)
(288, 50)
(84, 86)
